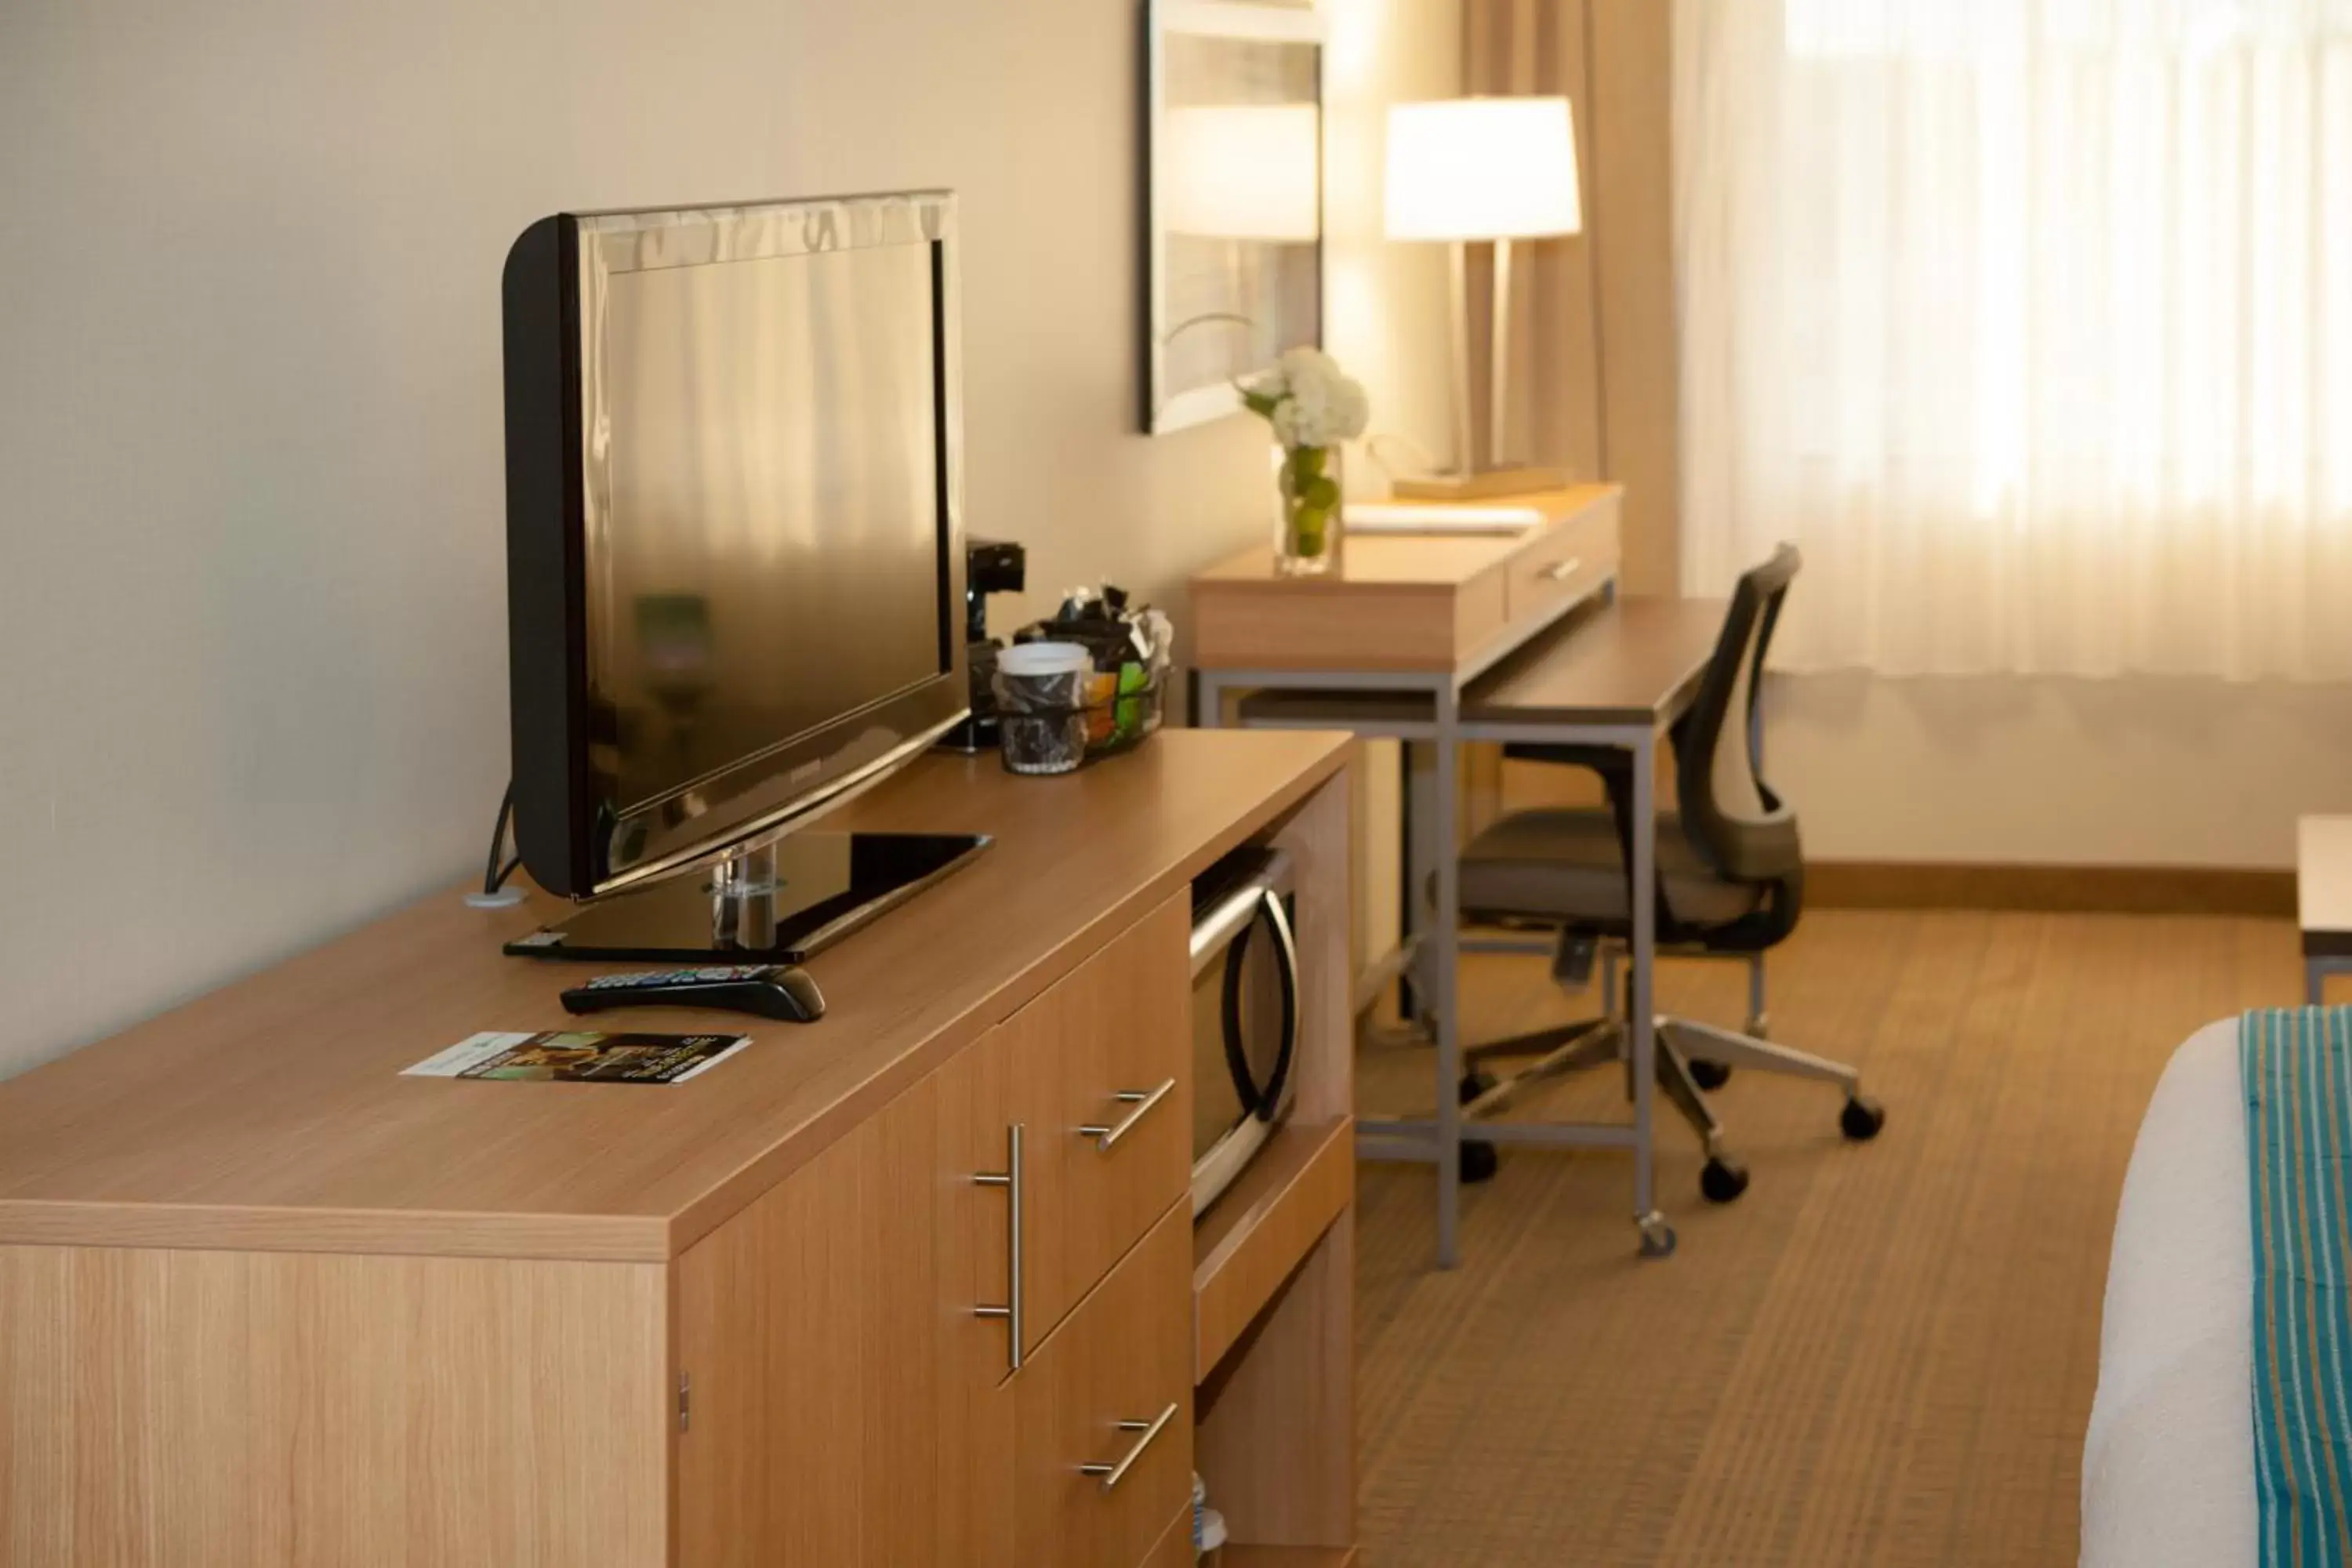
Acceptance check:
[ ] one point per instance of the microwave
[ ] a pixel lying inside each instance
(1244, 1012)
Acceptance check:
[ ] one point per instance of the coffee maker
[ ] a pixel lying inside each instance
(990, 566)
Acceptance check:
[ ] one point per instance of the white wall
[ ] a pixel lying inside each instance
(252, 667)
(2050, 771)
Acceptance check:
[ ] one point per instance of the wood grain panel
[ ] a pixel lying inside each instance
(2111, 889)
(1263, 1226)
(1122, 1022)
(848, 1409)
(186, 1409)
(1124, 1355)
(1482, 613)
(272, 1113)
(1266, 1417)
(1382, 560)
(1174, 1547)
(1610, 664)
(1383, 627)
(975, 1226)
(1317, 837)
(1567, 565)
(1397, 601)
(1271, 1431)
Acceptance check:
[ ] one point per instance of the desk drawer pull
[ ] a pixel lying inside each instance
(1010, 1180)
(1107, 1137)
(1560, 570)
(1111, 1475)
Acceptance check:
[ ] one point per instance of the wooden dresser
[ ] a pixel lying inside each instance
(863, 1294)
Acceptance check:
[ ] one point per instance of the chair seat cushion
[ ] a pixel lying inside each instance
(1565, 866)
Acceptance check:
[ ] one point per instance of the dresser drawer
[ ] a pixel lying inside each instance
(1099, 1076)
(1565, 563)
(1104, 1412)
(1175, 1546)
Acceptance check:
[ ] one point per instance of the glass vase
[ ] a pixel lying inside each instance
(1308, 486)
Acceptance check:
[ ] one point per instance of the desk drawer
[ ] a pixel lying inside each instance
(1100, 1075)
(1096, 1395)
(1481, 610)
(1564, 564)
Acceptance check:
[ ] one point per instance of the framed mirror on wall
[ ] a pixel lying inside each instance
(1233, 236)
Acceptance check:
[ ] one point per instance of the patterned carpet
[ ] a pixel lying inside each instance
(1883, 1354)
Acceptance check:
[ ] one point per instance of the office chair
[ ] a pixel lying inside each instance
(1730, 879)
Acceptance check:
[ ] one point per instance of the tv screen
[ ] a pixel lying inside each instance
(766, 558)
(734, 557)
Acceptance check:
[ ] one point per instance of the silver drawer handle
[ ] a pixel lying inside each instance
(1010, 1180)
(1107, 1137)
(1111, 1475)
(1559, 571)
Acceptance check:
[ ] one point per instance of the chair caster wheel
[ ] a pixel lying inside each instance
(1475, 1082)
(1861, 1119)
(1658, 1237)
(1722, 1180)
(1707, 1074)
(1478, 1161)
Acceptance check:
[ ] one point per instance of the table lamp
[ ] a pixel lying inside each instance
(1498, 168)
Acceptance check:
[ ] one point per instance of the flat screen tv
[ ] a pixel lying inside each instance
(735, 555)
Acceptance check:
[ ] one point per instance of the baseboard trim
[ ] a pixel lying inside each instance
(2114, 890)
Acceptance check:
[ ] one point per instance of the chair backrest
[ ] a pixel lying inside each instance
(1730, 814)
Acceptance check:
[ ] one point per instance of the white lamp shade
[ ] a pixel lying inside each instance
(1482, 168)
(1243, 171)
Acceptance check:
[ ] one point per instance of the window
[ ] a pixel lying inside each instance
(2032, 319)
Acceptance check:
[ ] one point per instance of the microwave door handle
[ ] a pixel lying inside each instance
(1217, 927)
(1229, 1011)
(1288, 973)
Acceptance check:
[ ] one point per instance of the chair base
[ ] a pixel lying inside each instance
(1688, 1051)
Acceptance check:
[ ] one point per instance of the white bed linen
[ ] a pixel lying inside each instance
(2168, 1462)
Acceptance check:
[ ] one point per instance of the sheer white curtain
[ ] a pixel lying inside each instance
(2031, 320)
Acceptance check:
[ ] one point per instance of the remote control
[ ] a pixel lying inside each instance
(769, 990)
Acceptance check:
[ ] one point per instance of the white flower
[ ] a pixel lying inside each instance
(1352, 409)
(1310, 403)
(1314, 404)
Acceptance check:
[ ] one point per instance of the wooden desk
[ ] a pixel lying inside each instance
(265, 1303)
(1437, 604)
(1614, 664)
(1607, 670)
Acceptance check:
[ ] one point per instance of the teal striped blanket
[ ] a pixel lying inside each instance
(2296, 1065)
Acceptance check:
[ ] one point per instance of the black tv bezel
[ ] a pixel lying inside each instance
(564, 832)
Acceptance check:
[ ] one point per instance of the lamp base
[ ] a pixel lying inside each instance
(1487, 484)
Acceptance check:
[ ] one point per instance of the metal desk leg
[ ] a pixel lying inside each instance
(1208, 700)
(1411, 892)
(2315, 983)
(1641, 1007)
(1443, 947)
(1417, 914)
